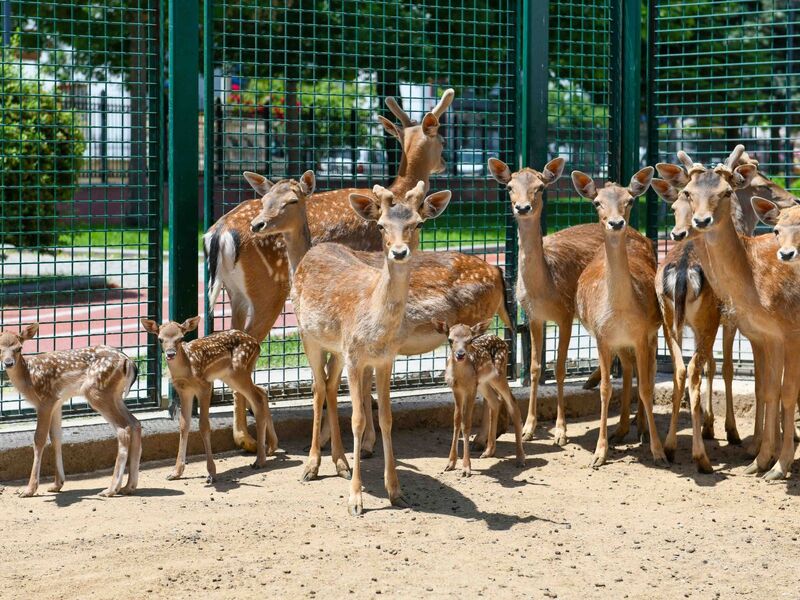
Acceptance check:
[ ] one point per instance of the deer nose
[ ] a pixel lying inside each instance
(702, 223)
(257, 226)
(8, 362)
(787, 256)
(399, 254)
(617, 225)
(677, 236)
(524, 210)
(460, 354)
(170, 354)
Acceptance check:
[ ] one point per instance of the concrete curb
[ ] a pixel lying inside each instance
(89, 444)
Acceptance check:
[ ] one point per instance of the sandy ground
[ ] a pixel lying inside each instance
(553, 529)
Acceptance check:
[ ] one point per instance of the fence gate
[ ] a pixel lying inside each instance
(80, 145)
(299, 87)
(724, 73)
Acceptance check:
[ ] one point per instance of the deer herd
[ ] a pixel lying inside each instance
(363, 293)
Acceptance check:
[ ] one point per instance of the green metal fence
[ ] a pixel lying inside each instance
(80, 178)
(723, 73)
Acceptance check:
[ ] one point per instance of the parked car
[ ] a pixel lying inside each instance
(370, 163)
(471, 162)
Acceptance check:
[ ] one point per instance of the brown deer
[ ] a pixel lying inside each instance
(747, 274)
(762, 186)
(477, 362)
(443, 285)
(350, 308)
(229, 356)
(101, 374)
(616, 299)
(547, 276)
(253, 269)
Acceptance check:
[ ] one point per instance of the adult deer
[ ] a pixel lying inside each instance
(101, 374)
(616, 300)
(762, 289)
(547, 275)
(253, 269)
(229, 356)
(443, 285)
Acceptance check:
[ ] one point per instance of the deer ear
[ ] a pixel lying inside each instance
(673, 174)
(150, 326)
(640, 181)
(308, 182)
(391, 128)
(767, 212)
(743, 176)
(440, 326)
(499, 171)
(480, 328)
(190, 324)
(258, 182)
(366, 207)
(430, 125)
(553, 170)
(584, 185)
(29, 332)
(434, 204)
(664, 190)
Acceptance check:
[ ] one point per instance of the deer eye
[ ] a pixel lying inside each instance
(381, 227)
(418, 225)
(775, 231)
(596, 204)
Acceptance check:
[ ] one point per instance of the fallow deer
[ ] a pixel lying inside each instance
(547, 276)
(350, 308)
(477, 362)
(229, 356)
(616, 299)
(103, 375)
(747, 274)
(443, 285)
(253, 269)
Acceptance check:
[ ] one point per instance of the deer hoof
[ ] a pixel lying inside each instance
(55, 488)
(775, 473)
(450, 466)
(661, 461)
(598, 461)
(399, 502)
(560, 439)
(733, 437)
(355, 506)
(107, 493)
(708, 431)
(27, 493)
(466, 472)
(367, 453)
(703, 465)
(310, 473)
(527, 435)
(258, 465)
(669, 452)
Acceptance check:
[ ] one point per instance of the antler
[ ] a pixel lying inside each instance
(445, 102)
(398, 112)
(746, 160)
(735, 156)
(386, 197)
(686, 160)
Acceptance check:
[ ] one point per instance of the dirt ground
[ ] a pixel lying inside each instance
(553, 529)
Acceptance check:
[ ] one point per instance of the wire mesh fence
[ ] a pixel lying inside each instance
(81, 181)
(725, 73)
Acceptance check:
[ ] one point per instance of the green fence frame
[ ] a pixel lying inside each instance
(81, 139)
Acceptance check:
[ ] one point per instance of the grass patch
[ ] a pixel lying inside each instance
(279, 352)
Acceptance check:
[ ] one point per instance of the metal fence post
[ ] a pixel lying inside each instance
(209, 118)
(652, 120)
(630, 102)
(184, 175)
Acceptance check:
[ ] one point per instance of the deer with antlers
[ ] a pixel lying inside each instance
(616, 299)
(229, 356)
(253, 269)
(477, 362)
(103, 375)
(547, 277)
(443, 285)
(759, 285)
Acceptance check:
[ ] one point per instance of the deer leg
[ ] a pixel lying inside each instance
(55, 441)
(564, 335)
(789, 391)
(674, 342)
(135, 454)
(646, 367)
(466, 431)
(759, 369)
(122, 427)
(458, 400)
(695, 378)
(204, 400)
(708, 420)
(241, 436)
(185, 425)
(482, 436)
(316, 359)
(355, 375)
(260, 407)
(728, 335)
(335, 366)
(43, 417)
(370, 436)
(491, 399)
(537, 339)
(500, 385)
(624, 425)
(330, 369)
(383, 379)
(601, 451)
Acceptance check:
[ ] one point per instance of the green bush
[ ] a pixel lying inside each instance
(41, 155)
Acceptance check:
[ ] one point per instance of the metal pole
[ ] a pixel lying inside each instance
(653, 204)
(103, 137)
(6, 23)
(209, 116)
(631, 93)
(184, 175)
